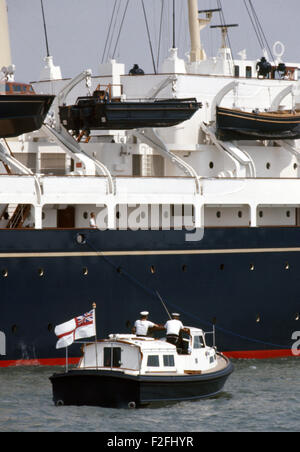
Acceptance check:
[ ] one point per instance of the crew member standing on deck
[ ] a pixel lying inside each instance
(173, 328)
(141, 326)
(93, 221)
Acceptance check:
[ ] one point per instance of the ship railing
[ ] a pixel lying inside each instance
(213, 334)
(108, 89)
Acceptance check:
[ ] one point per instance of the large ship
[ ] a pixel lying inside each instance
(206, 223)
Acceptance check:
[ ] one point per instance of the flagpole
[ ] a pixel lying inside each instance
(67, 360)
(96, 348)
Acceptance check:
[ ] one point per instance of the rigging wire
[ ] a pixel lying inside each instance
(109, 30)
(259, 31)
(149, 37)
(223, 22)
(181, 15)
(120, 30)
(254, 27)
(260, 28)
(160, 32)
(174, 25)
(45, 29)
(114, 28)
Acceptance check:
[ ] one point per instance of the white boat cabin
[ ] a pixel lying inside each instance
(146, 356)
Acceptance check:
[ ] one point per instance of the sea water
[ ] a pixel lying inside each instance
(259, 396)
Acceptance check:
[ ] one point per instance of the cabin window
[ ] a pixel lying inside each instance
(17, 88)
(7, 88)
(112, 357)
(153, 361)
(236, 71)
(199, 342)
(169, 361)
(248, 72)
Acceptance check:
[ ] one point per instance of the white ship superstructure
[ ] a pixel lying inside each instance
(227, 183)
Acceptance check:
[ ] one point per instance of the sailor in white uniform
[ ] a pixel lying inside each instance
(173, 328)
(93, 221)
(141, 326)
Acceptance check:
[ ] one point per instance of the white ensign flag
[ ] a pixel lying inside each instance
(79, 328)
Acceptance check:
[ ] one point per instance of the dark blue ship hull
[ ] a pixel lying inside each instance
(244, 280)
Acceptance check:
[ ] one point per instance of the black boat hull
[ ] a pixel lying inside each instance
(116, 389)
(94, 115)
(22, 113)
(234, 124)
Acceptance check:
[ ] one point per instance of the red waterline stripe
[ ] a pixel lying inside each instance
(259, 354)
(39, 362)
(255, 354)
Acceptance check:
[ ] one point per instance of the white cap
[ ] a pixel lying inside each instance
(144, 313)
(175, 314)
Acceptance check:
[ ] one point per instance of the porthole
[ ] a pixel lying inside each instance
(240, 214)
(258, 319)
(268, 166)
(184, 268)
(218, 214)
(295, 166)
(287, 266)
(50, 327)
(43, 215)
(118, 215)
(85, 215)
(152, 269)
(80, 238)
(297, 317)
(41, 272)
(119, 270)
(4, 273)
(14, 329)
(252, 267)
(211, 165)
(261, 214)
(85, 271)
(222, 266)
(288, 213)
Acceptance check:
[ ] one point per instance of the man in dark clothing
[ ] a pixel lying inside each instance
(136, 70)
(263, 68)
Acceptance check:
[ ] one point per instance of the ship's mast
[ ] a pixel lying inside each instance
(197, 24)
(5, 49)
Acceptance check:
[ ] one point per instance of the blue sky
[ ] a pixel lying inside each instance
(77, 31)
